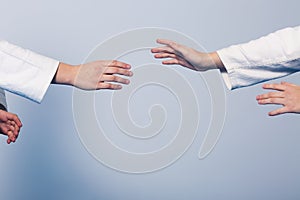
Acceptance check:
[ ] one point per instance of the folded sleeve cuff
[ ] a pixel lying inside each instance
(225, 74)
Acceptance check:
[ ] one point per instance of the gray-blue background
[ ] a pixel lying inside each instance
(257, 157)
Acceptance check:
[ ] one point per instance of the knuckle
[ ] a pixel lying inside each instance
(290, 107)
(105, 85)
(111, 86)
(115, 78)
(116, 70)
(173, 44)
(114, 62)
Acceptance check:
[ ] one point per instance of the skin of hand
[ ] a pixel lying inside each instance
(186, 56)
(94, 76)
(285, 94)
(10, 125)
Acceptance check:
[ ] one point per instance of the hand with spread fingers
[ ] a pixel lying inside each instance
(285, 94)
(185, 56)
(10, 125)
(94, 76)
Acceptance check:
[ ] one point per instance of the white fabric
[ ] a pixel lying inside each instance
(24, 72)
(269, 57)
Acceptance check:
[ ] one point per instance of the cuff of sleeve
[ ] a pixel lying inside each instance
(45, 75)
(29, 74)
(226, 80)
(225, 74)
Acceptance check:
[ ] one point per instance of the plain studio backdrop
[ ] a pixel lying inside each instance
(257, 156)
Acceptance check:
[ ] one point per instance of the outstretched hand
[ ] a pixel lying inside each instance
(186, 56)
(10, 125)
(102, 75)
(94, 75)
(286, 94)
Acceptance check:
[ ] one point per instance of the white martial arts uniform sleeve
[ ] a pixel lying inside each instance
(24, 72)
(269, 57)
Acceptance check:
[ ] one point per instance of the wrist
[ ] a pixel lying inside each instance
(216, 61)
(65, 74)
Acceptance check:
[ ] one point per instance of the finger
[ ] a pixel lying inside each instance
(178, 61)
(118, 64)
(14, 118)
(16, 131)
(8, 141)
(165, 55)
(117, 79)
(279, 101)
(288, 84)
(164, 49)
(13, 123)
(169, 43)
(274, 86)
(270, 95)
(4, 129)
(18, 121)
(116, 70)
(171, 62)
(279, 111)
(110, 86)
(16, 128)
(11, 136)
(11, 127)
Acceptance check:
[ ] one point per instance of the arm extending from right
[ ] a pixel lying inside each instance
(269, 57)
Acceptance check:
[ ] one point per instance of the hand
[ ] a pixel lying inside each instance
(10, 125)
(287, 95)
(94, 76)
(186, 57)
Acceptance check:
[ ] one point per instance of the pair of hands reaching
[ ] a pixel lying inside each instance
(285, 94)
(110, 75)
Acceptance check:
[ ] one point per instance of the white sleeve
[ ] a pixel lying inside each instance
(269, 57)
(24, 72)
